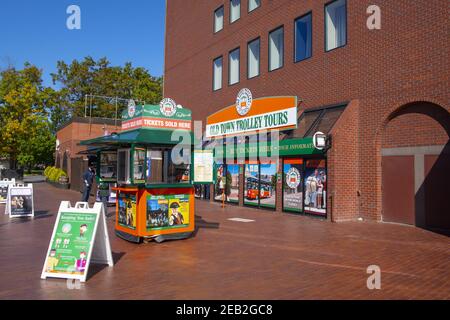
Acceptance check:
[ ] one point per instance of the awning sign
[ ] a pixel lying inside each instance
(250, 115)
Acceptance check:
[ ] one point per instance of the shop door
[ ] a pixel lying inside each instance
(293, 185)
(260, 185)
(398, 189)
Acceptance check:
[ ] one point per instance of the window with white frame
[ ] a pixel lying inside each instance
(217, 74)
(303, 38)
(276, 49)
(218, 19)
(253, 4)
(253, 58)
(235, 10)
(233, 63)
(335, 25)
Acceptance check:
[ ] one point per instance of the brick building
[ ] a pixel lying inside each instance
(69, 154)
(389, 159)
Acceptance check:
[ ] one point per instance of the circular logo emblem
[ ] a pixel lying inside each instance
(293, 178)
(131, 108)
(244, 101)
(168, 107)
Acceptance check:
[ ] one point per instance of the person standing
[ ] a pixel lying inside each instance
(88, 179)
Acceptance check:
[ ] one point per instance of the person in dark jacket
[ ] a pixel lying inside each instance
(88, 179)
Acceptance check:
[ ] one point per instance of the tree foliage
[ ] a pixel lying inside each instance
(25, 105)
(31, 113)
(90, 77)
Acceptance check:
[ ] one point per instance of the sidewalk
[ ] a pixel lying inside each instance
(277, 256)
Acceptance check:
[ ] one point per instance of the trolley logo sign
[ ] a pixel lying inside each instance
(250, 115)
(244, 101)
(168, 107)
(293, 178)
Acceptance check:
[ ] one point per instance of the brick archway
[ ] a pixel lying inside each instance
(415, 166)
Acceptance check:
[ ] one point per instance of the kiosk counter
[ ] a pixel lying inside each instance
(147, 166)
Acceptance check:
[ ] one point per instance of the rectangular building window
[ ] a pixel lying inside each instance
(276, 49)
(253, 58)
(253, 4)
(233, 64)
(235, 10)
(335, 25)
(218, 19)
(303, 37)
(217, 74)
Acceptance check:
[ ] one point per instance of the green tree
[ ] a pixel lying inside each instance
(24, 107)
(81, 78)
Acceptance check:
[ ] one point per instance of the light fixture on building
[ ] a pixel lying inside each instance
(321, 141)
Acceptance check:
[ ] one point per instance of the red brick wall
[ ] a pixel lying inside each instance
(405, 61)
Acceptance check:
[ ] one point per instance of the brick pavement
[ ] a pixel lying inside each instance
(278, 256)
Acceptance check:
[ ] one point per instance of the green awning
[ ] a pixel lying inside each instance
(139, 136)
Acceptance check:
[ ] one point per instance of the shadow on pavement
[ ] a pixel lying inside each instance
(201, 223)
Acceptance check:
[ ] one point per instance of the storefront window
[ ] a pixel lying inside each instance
(267, 185)
(232, 183)
(219, 188)
(108, 165)
(251, 188)
(315, 187)
(139, 165)
(293, 185)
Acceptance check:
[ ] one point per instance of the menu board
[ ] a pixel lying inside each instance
(203, 166)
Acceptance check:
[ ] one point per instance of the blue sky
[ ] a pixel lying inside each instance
(36, 31)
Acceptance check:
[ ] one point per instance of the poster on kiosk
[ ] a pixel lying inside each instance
(19, 201)
(79, 238)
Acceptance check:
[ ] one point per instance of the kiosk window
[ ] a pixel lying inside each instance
(138, 165)
(177, 173)
(123, 166)
(108, 165)
(155, 166)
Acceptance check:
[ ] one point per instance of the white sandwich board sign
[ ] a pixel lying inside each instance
(4, 186)
(79, 238)
(20, 201)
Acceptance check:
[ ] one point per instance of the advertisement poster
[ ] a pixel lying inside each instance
(267, 185)
(127, 210)
(20, 201)
(219, 187)
(232, 183)
(251, 179)
(3, 193)
(203, 166)
(315, 187)
(167, 211)
(293, 185)
(71, 244)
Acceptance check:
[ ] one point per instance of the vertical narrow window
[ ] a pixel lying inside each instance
(253, 4)
(276, 49)
(235, 10)
(217, 74)
(218, 19)
(233, 63)
(303, 37)
(335, 25)
(253, 58)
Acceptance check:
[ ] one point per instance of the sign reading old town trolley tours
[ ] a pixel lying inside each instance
(19, 201)
(250, 115)
(79, 237)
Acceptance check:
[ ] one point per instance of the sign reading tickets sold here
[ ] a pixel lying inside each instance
(250, 115)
